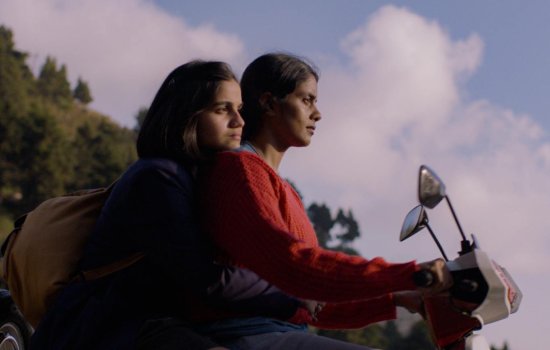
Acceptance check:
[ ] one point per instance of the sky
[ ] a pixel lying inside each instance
(458, 85)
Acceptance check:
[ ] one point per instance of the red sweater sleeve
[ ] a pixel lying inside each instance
(242, 210)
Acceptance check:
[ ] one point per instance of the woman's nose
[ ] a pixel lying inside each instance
(316, 114)
(237, 120)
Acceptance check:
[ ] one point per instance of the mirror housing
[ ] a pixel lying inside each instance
(431, 190)
(416, 220)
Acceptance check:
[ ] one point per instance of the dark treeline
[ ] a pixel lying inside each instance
(51, 143)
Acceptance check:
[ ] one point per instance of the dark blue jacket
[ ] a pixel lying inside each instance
(150, 210)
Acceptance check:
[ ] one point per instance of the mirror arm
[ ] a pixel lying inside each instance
(437, 242)
(456, 219)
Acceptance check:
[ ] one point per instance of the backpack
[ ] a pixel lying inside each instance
(41, 254)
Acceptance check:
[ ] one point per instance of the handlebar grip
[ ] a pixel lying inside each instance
(423, 278)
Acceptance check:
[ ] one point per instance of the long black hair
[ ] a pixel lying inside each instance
(169, 129)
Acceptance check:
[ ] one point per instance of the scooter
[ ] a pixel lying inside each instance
(483, 292)
(15, 332)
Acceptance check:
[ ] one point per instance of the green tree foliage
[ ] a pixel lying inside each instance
(50, 145)
(385, 335)
(53, 84)
(102, 153)
(17, 80)
(15, 88)
(322, 221)
(335, 233)
(140, 117)
(43, 163)
(349, 231)
(82, 92)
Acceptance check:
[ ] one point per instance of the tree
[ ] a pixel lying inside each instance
(16, 80)
(103, 152)
(82, 92)
(343, 228)
(322, 222)
(53, 84)
(140, 118)
(44, 159)
(349, 231)
(16, 84)
(48, 144)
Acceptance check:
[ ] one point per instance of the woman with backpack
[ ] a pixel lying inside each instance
(151, 212)
(258, 221)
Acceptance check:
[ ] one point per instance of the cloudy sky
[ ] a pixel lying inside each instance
(460, 86)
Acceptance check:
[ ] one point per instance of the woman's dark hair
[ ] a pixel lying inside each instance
(276, 73)
(169, 129)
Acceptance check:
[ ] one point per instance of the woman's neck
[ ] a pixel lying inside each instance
(270, 153)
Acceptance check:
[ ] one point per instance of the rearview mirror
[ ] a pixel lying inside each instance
(415, 221)
(431, 190)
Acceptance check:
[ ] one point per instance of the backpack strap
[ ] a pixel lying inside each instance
(16, 228)
(102, 271)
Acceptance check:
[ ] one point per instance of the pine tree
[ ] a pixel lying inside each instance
(53, 84)
(16, 84)
(82, 92)
(322, 222)
(350, 226)
(103, 152)
(44, 161)
(344, 228)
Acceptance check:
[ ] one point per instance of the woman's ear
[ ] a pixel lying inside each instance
(266, 102)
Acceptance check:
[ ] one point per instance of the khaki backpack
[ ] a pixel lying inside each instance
(41, 254)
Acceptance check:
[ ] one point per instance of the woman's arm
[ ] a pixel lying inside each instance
(242, 210)
(355, 314)
(243, 291)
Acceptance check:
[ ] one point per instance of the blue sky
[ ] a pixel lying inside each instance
(515, 69)
(458, 85)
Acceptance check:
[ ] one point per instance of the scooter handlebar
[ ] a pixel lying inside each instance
(423, 278)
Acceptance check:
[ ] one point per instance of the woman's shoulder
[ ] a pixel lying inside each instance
(165, 165)
(150, 170)
(242, 165)
(243, 159)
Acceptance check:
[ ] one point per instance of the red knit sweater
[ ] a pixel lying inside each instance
(258, 221)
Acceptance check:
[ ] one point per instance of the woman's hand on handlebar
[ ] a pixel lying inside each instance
(436, 277)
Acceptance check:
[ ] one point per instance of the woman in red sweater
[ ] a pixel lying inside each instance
(258, 221)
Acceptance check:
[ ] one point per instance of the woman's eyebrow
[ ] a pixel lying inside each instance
(308, 94)
(224, 104)
(220, 103)
(311, 96)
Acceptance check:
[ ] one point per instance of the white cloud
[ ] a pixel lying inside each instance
(124, 49)
(401, 104)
